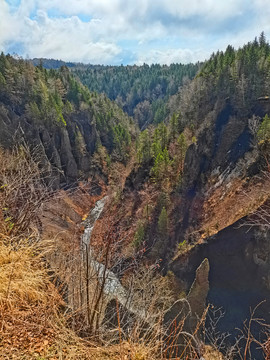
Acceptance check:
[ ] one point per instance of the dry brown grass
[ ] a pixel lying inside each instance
(33, 317)
(211, 354)
(34, 321)
(22, 277)
(31, 321)
(28, 301)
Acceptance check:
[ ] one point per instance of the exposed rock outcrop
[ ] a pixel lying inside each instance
(223, 156)
(66, 151)
(198, 293)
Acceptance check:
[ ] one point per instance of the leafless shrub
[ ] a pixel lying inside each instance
(247, 345)
(212, 334)
(247, 338)
(134, 310)
(254, 124)
(22, 190)
(261, 217)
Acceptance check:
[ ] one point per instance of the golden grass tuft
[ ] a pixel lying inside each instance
(22, 277)
(29, 302)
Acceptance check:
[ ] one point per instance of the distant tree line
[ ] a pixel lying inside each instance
(142, 91)
(241, 76)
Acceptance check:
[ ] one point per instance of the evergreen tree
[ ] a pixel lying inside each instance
(182, 148)
(163, 224)
(144, 147)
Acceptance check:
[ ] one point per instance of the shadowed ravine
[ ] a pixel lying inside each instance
(239, 270)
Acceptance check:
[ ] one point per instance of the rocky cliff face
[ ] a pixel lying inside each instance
(198, 292)
(66, 150)
(221, 164)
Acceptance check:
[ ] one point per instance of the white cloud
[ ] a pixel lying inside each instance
(194, 28)
(65, 38)
(210, 8)
(91, 7)
(68, 39)
(170, 56)
(7, 30)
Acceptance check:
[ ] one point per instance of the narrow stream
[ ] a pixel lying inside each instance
(91, 220)
(112, 286)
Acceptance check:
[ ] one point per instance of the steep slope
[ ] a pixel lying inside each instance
(232, 146)
(223, 213)
(79, 133)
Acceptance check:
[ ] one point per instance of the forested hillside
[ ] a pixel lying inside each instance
(233, 84)
(239, 75)
(51, 63)
(222, 114)
(53, 110)
(142, 91)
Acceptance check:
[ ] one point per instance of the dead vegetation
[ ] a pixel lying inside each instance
(35, 321)
(22, 277)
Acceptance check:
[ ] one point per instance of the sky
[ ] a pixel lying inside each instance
(114, 32)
